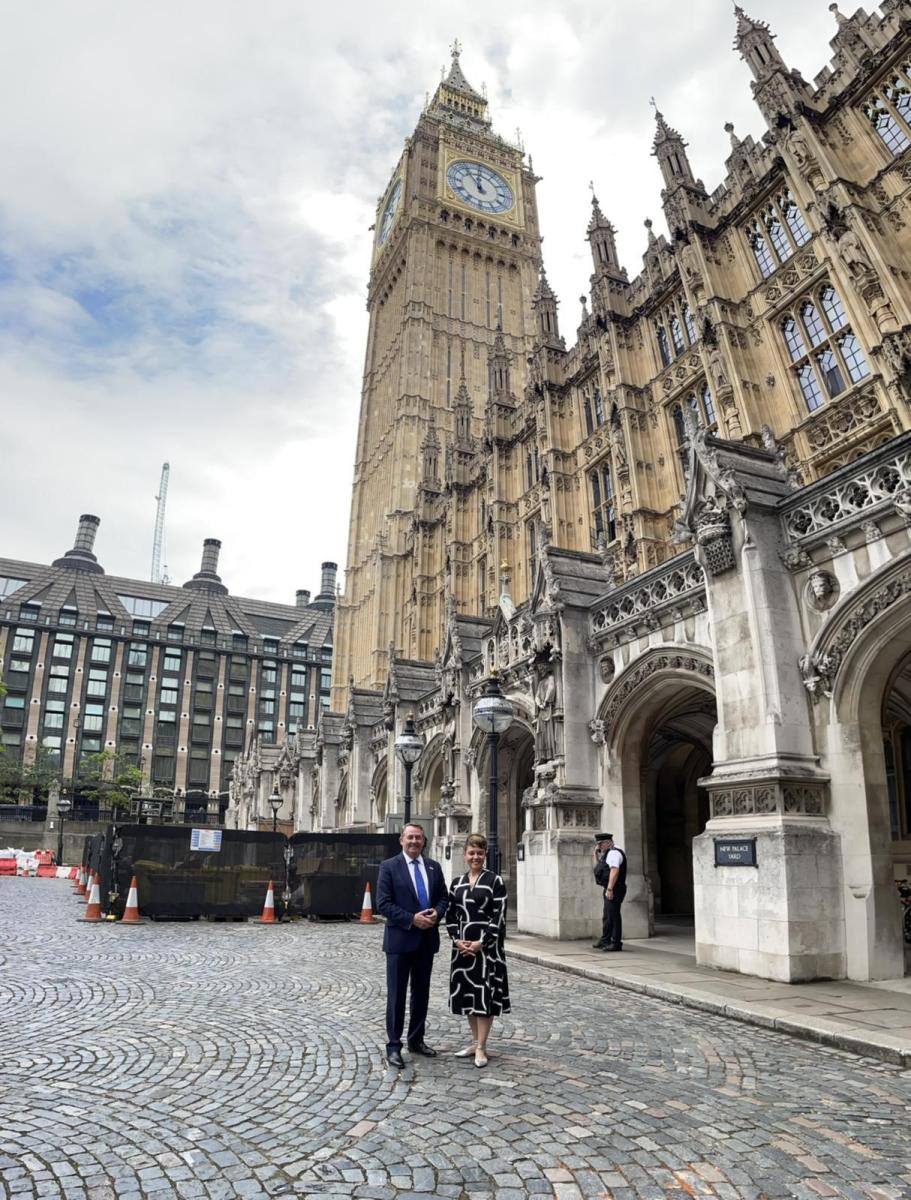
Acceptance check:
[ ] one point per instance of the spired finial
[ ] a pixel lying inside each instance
(456, 48)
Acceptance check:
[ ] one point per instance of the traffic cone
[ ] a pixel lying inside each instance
(131, 912)
(367, 917)
(93, 908)
(268, 915)
(26, 873)
(80, 882)
(89, 884)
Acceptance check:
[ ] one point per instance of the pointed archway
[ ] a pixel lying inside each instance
(658, 720)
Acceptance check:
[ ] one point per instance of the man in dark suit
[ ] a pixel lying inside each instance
(412, 895)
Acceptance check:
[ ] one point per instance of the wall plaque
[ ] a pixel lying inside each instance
(735, 852)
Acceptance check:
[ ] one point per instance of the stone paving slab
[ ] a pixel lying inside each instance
(866, 1018)
(219, 1061)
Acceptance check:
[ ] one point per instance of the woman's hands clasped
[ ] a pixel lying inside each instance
(464, 946)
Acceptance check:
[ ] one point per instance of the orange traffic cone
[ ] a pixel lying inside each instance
(89, 884)
(268, 916)
(131, 912)
(80, 882)
(367, 917)
(93, 908)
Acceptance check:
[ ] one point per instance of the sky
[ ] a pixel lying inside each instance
(185, 203)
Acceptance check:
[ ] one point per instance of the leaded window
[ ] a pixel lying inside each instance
(835, 355)
(604, 514)
(777, 232)
(889, 111)
(663, 347)
(677, 318)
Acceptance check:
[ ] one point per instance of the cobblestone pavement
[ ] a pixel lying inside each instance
(223, 1060)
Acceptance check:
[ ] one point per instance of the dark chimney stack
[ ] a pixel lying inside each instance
(81, 558)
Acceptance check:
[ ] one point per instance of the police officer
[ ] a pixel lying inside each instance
(609, 864)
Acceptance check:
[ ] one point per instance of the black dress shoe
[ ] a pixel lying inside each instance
(394, 1058)
(599, 945)
(609, 949)
(423, 1048)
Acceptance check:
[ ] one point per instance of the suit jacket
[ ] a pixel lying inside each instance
(397, 901)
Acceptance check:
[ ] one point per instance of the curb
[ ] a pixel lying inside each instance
(734, 1012)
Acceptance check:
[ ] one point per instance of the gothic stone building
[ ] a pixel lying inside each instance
(697, 520)
(179, 680)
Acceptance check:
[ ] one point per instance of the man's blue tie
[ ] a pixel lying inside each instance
(423, 898)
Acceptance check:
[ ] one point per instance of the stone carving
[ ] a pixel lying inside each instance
(470, 758)
(643, 671)
(596, 729)
(578, 817)
(713, 534)
(773, 796)
(853, 255)
(849, 498)
(838, 421)
(545, 732)
(794, 558)
(606, 668)
(685, 580)
(902, 501)
(820, 668)
(822, 590)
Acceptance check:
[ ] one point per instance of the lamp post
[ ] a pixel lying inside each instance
(493, 714)
(409, 747)
(64, 804)
(276, 801)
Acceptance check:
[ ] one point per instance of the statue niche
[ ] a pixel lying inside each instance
(545, 721)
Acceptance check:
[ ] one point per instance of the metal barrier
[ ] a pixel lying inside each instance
(202, 872)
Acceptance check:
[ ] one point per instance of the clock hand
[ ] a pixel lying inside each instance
(478, 182)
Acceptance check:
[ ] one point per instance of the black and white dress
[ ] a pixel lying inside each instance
(478, 983)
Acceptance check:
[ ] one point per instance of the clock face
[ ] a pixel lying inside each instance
(480, 186)
(392, 205)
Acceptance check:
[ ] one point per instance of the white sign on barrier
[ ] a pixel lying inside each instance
(205, 839)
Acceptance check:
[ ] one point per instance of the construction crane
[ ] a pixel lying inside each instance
(160, 575)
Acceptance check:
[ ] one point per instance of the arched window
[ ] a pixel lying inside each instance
(777, 235)
(832, 307)
(892, 132)
(689, 323)
(598, 403)
(708, 405)
(838, 356)
(812, 323)
(587, 412)
(677, 335)
(679, 424)
(663, 348)
(854, 357)
(794, 217)
(761, 253)
(793, 340)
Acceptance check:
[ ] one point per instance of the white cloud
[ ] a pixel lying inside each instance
(184, 244)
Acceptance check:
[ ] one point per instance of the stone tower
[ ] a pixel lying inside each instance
(456, 262)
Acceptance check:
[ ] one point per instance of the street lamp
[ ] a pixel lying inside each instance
(276, 801)
(493, 714)
(64, 804)
(409, 747)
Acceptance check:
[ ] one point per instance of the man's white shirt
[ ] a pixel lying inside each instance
(614, 858)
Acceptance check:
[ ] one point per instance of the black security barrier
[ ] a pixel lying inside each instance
(176, 879)
(328, 871)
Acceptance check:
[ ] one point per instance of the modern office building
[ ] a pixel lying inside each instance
(180, 680)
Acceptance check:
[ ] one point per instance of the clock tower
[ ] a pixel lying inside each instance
(455, 268)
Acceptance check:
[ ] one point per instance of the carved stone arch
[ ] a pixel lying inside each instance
(858, 631)
(853, 663)
(432, 753)
(379, 792)
(690, 666)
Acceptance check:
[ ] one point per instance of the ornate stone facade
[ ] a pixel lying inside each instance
(698, 514)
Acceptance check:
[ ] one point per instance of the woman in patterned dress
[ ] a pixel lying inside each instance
(476, 922)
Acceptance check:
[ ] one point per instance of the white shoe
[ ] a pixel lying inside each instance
(480, 1058)
(468, 1052)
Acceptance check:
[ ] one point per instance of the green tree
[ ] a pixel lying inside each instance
(110, 779)
(27, 783)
